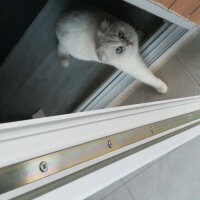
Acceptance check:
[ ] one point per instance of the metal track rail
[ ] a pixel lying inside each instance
(20, 174)
(151, 50)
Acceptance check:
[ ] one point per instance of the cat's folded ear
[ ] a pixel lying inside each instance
(101, 54)
(105, 25)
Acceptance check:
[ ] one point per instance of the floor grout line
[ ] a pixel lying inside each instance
(129, 192)
(188, 72)
(125, 183)
(112, 190)
(150, 165)
(153, 163)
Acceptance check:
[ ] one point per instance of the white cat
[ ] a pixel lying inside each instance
(98, 36)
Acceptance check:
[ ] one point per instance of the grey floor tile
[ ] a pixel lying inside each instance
(135, 173)
(119, 194)
(191, 48)
(106, 191)
(175, 177)
(180, 84)
(143, 187)
(192, 65)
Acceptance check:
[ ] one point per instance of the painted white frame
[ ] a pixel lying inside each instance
(161, 11)
(112, 91)
(19, 139)
(94, 182)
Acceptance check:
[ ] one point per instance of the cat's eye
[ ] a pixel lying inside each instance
(119, 50)
(121, 34)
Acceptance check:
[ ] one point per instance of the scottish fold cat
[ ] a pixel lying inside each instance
(98, 36)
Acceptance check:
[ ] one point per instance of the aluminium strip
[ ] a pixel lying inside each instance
(154, 36)
(163, 33)
(156, 52)
(152, 49)
(46, 191)
(23, 173)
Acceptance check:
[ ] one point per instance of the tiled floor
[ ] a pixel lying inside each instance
(181, 73)
(175, 176)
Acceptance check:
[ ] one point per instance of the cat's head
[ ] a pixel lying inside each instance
(116, 41)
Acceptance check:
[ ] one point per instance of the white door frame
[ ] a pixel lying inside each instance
(161, 11)
(25, 140)
(94, 182)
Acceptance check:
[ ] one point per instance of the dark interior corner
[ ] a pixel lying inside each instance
(15, 17)
(140, 19)
(33, 79)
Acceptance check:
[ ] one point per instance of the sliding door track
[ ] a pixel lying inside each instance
(20, 174)
(151, 50)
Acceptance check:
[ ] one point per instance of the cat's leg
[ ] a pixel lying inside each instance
(150, 79)
(63, 55)
(144, 74)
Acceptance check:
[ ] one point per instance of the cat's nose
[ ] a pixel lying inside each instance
(129, 43)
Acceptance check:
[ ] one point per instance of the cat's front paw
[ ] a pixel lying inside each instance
(162, 88)
(64, 62)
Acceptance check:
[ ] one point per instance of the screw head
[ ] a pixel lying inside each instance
(43, 166)
(152, 130)
(110, 143)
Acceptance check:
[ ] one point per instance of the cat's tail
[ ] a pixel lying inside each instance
(63, 55)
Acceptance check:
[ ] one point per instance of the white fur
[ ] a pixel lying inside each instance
(92, 36)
